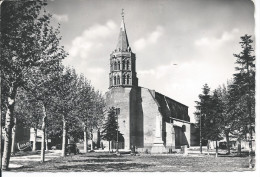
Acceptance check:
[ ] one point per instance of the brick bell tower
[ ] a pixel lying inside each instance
(123, 85)
(122, 62)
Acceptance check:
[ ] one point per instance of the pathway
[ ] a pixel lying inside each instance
(18, 161)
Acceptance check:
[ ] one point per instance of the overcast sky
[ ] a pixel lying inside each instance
(200, 36)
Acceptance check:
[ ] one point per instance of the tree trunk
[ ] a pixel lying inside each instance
(13, 138)
(208, 147)
(64, 137)
(228, 146)
(0, 135)
(46, 140)
(91, 140)
(109, 146)
(43, 134)
(91, 145)
(239, 147)
(0, 107)
(85, 140)
(216, 148)
(35, 139)
(8, 128)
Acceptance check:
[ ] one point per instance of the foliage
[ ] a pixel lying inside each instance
(231, 107)
(208, 114)
(110, 127)
(30, 46)
(244, 82)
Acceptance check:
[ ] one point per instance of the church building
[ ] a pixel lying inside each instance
(148, 120)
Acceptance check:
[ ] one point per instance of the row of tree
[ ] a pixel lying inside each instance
(37, 91)
(230, 109)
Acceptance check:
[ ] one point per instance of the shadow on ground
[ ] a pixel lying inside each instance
(99, 160)
(103, 167)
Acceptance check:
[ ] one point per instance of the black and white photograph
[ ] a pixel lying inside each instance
(128, 86)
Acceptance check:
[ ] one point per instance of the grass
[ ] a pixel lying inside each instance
(104, 162)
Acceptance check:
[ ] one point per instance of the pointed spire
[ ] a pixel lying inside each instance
(122, 43)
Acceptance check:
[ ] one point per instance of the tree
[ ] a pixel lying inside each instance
(202, 112)
(231, 116)
(244, 83)
(27, 112)
(110, 127)
(85, 107)
(208, 115)
(244, 80)
(90, 108)
(216, 118)
(66, 89)
(28, 43)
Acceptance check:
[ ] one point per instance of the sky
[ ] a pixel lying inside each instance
(180, 44)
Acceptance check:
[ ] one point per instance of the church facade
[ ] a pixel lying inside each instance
(148, 120)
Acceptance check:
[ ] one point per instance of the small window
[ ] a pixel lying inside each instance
(118, 80)
(123, 63)
(127, 65)
(123, 79)
(183, 128)
(118, 65)
(114, 80)
(127, 79)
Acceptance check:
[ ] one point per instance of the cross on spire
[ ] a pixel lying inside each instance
(122, 14)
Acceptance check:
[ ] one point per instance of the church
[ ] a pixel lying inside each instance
(148, 120)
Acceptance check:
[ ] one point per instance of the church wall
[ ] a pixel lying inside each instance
(136, 118)
(170, 135)
(181, 137)
(150, 111)
(120, 98)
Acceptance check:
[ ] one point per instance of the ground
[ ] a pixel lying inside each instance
(104, 161)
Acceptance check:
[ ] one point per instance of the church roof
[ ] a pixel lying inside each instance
(122, 42)
(172, 108)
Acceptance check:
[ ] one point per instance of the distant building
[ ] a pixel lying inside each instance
(148, 120)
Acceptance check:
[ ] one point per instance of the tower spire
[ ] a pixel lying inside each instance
(122, 62)
(122, 14)
(122, 44)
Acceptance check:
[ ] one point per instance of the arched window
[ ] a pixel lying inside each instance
(118, 80)
(118, 65)
(123, 79)
(115, 66)
(123, 63)
(114, 80)
(110, 81)
(127, 65)
(127, 79)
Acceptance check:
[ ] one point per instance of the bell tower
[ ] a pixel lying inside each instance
(122, 62)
